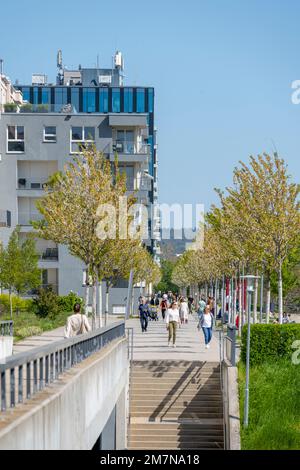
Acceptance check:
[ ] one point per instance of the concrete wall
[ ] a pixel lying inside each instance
(231, 406)
(72, 413)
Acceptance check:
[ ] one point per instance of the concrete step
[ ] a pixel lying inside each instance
(175, 427)
(175, 439)
(176, 415)
(167, 435)
(171, 388)
(175, 445)
(187, 395)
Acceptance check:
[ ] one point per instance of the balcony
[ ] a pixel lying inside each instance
(138, 184)
(32, 183)
(50, 254)
(130, 151)
(25, 218)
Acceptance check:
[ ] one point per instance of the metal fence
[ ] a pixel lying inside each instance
(6, 328)
(23, 375)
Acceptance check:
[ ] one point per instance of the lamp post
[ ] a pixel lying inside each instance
(250, 289)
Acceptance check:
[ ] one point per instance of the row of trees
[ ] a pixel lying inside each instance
(19, 270)
(81, 210)
(255, 229)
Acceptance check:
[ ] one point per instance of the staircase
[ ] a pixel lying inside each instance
(175, 405)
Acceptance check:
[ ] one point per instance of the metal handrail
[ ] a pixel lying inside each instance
(221, 349)
(6, 328)
(45, 364)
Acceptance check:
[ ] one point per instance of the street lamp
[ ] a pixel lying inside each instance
(250, 289)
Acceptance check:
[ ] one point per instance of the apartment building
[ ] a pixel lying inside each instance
(84, 106)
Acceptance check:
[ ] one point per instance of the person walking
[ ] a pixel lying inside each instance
(183, 311)
(206, 321)
(77, 324)
(172, 320)
(144, 311)
(164, 307)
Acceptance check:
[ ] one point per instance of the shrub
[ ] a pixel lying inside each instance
(18, 304)
(269, 342)
(26, 108)
(10, 107)
(28, 331)
(67, 302)
(46, 303)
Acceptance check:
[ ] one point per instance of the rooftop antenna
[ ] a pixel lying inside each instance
(1, 66)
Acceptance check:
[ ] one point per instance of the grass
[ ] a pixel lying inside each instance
(274, 409)
(27, 323)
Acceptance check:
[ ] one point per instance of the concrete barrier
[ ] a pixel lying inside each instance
(6, 346)
(73, 411)
(231, 406)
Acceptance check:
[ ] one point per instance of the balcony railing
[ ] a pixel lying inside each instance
(32, 183)
(138, 184)
(47, 108)
(50, 254)
(25, 218)
(130, 148)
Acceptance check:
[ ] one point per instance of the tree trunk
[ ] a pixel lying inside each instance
(255, 300)
(87, 298)
(268, 300)
(240, 304)
(100, 304)
(94, 302)
(106, 302)
(280, 296)
(10, 304)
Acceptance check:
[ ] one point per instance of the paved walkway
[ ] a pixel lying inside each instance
(190, 346)
(47, 337)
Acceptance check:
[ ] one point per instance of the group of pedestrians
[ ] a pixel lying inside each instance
(175, 310)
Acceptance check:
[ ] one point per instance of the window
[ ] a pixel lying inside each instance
(129, 171)
(35, 95)
(49, 134)
(128, 100)
(60, 98)
(125, 142)
(116, 102)
(140, 100)
(26, 93)
(46, 95)
(81, 137)
(15, 139)
(103, 100)
(75, 98)
(89, 100)
(150, 100)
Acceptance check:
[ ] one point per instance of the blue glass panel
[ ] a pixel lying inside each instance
(103, 100)
(75, 98)
(35, 95)
(116, 102)
(89, 100)
(128, 100)
(26, 93)
(140, 100)
(46, 96)
(150, 100)
(60, 97)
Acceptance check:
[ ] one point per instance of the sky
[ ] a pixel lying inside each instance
(222, 72)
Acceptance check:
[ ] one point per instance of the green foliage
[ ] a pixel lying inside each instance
(19, 270)
(46, 304)
(290, 277)
(166, 283)
(67, 302)
(274, 411)
(19, 304)
(24, 332)
(26, 108)
(10, 107)
(268, 342)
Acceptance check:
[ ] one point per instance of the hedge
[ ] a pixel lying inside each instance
(269, 342)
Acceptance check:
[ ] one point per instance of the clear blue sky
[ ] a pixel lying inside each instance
(222, 71)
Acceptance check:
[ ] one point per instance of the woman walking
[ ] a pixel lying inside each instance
(172, 320)
(183, 311)
(206, 321)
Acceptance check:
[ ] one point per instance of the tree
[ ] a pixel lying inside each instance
(166, 284)
(19, 270)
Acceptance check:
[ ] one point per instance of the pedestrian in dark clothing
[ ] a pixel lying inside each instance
(164, 307)
(144, 311)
